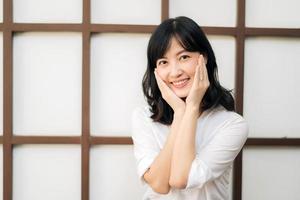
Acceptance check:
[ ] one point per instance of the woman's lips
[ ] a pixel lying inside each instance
(181, 83)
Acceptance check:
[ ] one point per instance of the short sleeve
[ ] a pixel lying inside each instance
(145, 146)
(217, 156)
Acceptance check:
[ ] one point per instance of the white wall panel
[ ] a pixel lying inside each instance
(126, 12)
(113, 173)
(271, 94)
(224, 49)
(47, 172)
(118, 62)
(273, 13)
(271, 173)
(47, 11)
(206, 13)
(47, 83)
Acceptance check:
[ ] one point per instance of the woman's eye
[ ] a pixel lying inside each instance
(162, 62)
(184, 57)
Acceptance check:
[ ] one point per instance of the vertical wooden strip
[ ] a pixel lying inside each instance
(7, 115)
(239, 85)
(7, 100)
(85, 115)
(7, 12)
(240, 48)
(237, 177)
(85, 143)
(164, 9)
(86, 19)
(7, 111)
(239, 74)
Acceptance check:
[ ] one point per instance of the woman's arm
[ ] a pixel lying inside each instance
(184, 149)
(216, 157)
(158, 174)
(173, 163)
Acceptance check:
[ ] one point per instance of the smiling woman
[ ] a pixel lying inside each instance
(188, 136)
(170, 38)
(177, 68)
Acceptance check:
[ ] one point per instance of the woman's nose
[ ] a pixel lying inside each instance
(175, 70)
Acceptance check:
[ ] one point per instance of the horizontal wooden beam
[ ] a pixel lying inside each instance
(46, 140)
(104, 140)
(273, 142)
(111, 140)
(272, 32)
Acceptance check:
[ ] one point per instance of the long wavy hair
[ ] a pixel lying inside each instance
(192, 38)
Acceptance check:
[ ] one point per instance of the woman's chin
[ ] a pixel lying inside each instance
(181, 93)
(181, 96)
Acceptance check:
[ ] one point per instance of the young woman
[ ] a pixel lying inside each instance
(186, 139)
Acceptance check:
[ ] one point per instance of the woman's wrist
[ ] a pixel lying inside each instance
(179, 112)
(193, 109)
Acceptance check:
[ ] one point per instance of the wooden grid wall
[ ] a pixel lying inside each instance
(8, 27)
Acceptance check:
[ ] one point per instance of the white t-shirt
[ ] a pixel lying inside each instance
(220, 135)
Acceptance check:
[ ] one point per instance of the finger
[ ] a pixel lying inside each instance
(200, 61)
(205, 73)
(197, 73)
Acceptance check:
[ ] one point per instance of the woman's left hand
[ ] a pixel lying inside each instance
(200, 85)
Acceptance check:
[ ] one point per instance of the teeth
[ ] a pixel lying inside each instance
(179, 82)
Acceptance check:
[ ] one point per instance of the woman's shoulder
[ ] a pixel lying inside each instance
(142, 110)
(229, 122)
(141, 113)
(221, 115)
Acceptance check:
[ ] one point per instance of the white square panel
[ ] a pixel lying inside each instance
(113, 173)
(47, 11)
(47, 172)
(224, 49)
(271, 92)
(118, 63)
(126, 12)
(273, 13)
(271, 173)
(206, 13)
(47, 83)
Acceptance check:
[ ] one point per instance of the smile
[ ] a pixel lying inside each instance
(181, 83)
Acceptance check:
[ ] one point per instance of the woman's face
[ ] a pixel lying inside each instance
(177, 68)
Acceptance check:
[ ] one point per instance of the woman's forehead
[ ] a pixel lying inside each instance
(174, 48)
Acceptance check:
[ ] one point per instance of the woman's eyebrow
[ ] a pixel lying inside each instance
(181, 51)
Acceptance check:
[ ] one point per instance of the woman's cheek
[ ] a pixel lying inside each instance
(162, 73)
(191, 67)
(195, 64)
(159, 71)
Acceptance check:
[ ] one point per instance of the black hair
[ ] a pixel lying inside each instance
(192, 38)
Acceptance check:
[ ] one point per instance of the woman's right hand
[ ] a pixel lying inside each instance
(177, 104)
